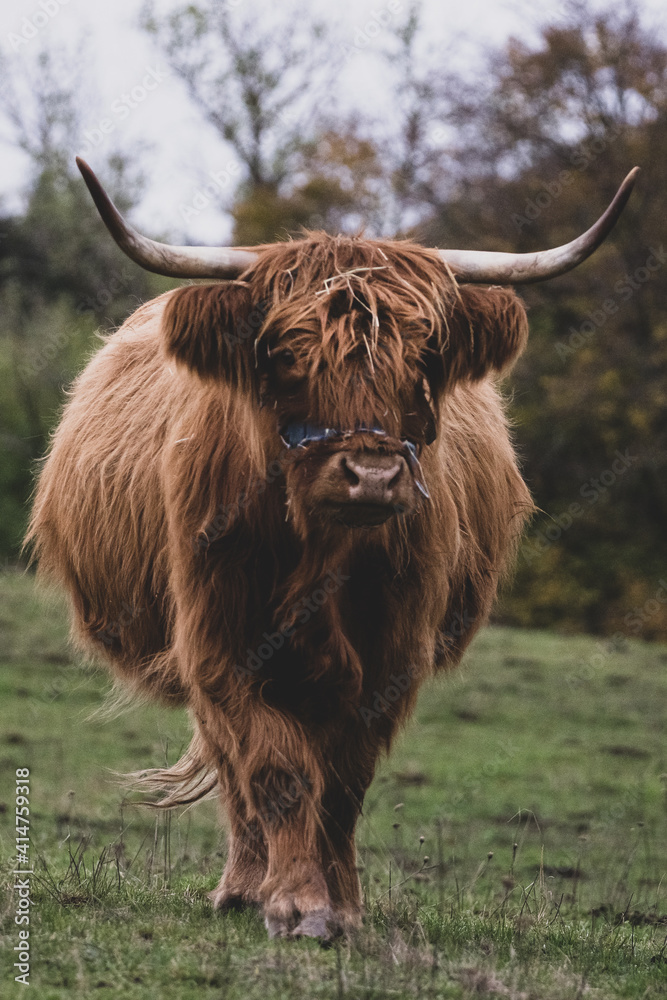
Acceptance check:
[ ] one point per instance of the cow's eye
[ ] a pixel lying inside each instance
(287, 370)
(286, 357)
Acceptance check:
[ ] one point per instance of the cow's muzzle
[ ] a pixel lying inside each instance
(357, 486)
(370, 487)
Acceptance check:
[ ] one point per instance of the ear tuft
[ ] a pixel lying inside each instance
(212, 330)
(487, 331)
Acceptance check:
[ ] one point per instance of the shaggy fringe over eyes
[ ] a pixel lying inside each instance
(392, 299)
(349, 285)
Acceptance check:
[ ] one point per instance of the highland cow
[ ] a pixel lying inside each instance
(284, 500)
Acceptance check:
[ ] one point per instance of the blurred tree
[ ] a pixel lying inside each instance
(416, 164)
(260, 81)
(60, 275)
(543, 145)
(337, 185)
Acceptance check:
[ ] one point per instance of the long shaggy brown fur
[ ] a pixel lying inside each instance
(191, 543)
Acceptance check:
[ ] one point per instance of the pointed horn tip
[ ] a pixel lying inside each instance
(623, 193)
(626, 188)
(487, 267)
(83, 166)
(161, 258)
(88, 175)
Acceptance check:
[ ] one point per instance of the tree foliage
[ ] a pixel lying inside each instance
(257, 81)
(572, 115)
(61, 278)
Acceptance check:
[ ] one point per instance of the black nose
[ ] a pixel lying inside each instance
(374, 478)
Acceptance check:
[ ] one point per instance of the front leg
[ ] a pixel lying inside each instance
(272, 780)
(295, 895)
(246, 865)
(353, 750)
(312, 886)
(341, 809)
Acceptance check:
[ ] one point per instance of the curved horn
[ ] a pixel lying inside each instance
(174, 262)
(484, 267)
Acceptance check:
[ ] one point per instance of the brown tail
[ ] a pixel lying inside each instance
(189, 780)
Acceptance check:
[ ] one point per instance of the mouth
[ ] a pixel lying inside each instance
(363, 515)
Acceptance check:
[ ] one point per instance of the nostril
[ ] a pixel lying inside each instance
(349, 473)
(395, 476)
(372, 479)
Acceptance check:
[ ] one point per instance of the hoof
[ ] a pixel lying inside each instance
(279, 927)
(321, 924)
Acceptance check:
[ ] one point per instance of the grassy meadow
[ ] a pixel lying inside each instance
(514, 844)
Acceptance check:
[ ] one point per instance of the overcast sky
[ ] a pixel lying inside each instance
(120, 57)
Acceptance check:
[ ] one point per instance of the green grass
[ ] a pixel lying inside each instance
(536, 777)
